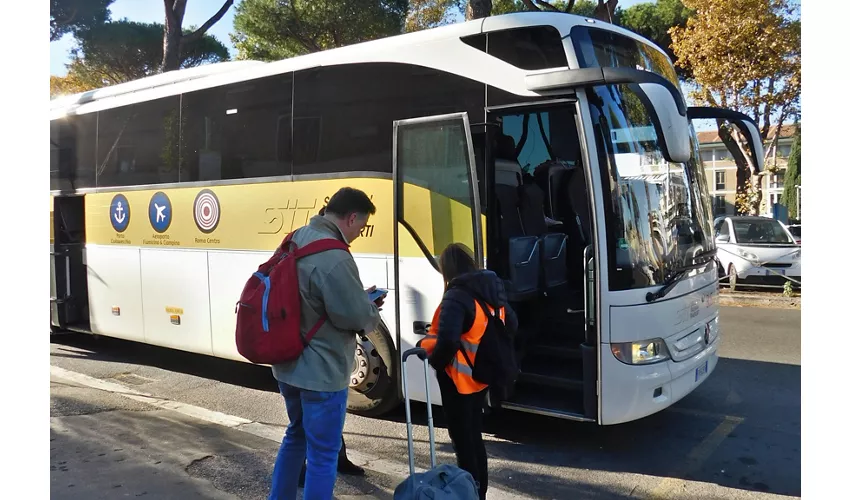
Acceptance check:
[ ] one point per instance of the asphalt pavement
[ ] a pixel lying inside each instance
(736, 436)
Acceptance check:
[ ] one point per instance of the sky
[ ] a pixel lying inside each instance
(197, 12)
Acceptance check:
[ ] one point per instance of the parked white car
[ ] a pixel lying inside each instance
(756, 250)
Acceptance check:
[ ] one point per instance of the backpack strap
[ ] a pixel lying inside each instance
(319, 246)
(315, 247)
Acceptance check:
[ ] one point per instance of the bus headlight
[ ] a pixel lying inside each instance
(643, 352)
(796, 255)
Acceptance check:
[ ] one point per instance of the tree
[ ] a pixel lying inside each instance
(655, 21)
(270, 30)
(66, 16)
(578, 7)
(793, 177)
(175, 40)
(427, 14)
(478, 9)
(121, 51)
(744, 55)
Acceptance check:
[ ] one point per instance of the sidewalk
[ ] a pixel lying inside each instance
(758, 299)
(104, 445)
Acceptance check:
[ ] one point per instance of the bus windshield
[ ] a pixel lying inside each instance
(656, 212)
(597, 48)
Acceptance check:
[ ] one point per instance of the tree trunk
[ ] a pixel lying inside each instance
(746, 170)
(171, 48)
(604, 10)
(478, 9)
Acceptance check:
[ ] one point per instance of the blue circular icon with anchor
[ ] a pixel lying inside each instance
(119, 213)
(159, 212)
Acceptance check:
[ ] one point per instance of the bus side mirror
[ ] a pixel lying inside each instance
(672, 129)
(745, 125)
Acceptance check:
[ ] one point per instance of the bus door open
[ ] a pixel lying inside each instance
(436, 203)
(69, 306)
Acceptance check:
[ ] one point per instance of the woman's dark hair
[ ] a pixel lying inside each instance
(456, 260)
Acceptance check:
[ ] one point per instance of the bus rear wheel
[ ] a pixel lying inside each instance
(373, 385)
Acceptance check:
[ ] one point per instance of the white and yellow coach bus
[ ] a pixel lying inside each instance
(559, 148)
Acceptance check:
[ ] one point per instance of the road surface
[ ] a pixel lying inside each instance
(736, 436)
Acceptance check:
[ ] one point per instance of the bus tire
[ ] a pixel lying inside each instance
(374, 391)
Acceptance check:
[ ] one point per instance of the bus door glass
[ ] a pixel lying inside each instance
(436, 203)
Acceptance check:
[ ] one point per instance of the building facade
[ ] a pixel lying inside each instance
(720, 171)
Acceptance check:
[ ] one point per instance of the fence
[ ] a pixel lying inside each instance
(781, 279)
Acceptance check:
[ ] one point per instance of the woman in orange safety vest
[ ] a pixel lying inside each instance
(460, 322)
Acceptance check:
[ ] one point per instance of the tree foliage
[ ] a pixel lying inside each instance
(67, 16)
(655, 21)
(121, 51)
(270, 30)
(793, 176)
(177, 41)
(743, 55)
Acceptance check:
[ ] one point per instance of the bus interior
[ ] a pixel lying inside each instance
(536, 244)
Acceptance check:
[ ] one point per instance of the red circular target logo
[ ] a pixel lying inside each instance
(207, 211)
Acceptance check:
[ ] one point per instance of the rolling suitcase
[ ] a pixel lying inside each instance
(441, 482)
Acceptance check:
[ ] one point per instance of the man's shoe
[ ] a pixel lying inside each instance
(344, 466)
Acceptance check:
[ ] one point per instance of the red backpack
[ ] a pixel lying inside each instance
(268, 314)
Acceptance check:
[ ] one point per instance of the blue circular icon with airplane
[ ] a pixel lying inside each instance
(159, 212)
(119, 213)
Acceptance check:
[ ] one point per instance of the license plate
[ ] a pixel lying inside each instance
(774, 272)
(701, 371)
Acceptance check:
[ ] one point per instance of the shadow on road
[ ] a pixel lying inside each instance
(740, 429)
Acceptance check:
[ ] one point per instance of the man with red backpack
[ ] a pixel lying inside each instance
(315, 385)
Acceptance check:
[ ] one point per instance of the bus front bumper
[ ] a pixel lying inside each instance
(631, 392)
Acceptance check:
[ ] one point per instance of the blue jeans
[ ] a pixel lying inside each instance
(315, 431)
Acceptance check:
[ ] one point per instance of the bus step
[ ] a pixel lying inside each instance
(546, 400)
(551, 381)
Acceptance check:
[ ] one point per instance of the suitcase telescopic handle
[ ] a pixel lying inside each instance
(423, 355)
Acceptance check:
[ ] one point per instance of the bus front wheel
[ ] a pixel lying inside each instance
(373, 385)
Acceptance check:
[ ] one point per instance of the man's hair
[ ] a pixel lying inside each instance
(349, 200)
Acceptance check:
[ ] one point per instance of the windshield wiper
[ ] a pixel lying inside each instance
(678, 274)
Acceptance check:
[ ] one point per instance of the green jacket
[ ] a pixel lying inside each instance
(330, 284)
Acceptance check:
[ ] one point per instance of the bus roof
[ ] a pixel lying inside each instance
(425, 48)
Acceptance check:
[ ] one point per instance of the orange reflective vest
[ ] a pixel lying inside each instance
(459, 370)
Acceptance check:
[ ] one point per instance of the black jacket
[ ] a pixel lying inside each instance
(457, 312)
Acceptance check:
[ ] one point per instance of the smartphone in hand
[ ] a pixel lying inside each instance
(377, 293)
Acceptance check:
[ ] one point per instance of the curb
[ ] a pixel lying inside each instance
(267, 431)
(743, 300)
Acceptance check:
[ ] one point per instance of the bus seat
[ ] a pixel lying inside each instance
(508, 172)
(553, 243)
(549, 177)
(519, 255)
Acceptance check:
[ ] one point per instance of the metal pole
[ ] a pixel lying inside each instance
(799, 215)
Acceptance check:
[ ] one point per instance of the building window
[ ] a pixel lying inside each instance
(719, 180)
(722, 154)
(777, 181)
(719, 205)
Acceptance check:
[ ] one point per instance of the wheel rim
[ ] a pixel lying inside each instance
(367, 367)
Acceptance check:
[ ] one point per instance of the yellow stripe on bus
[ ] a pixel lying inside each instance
(258, 216)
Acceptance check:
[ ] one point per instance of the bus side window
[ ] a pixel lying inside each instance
(236, 131)
(139, 144)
